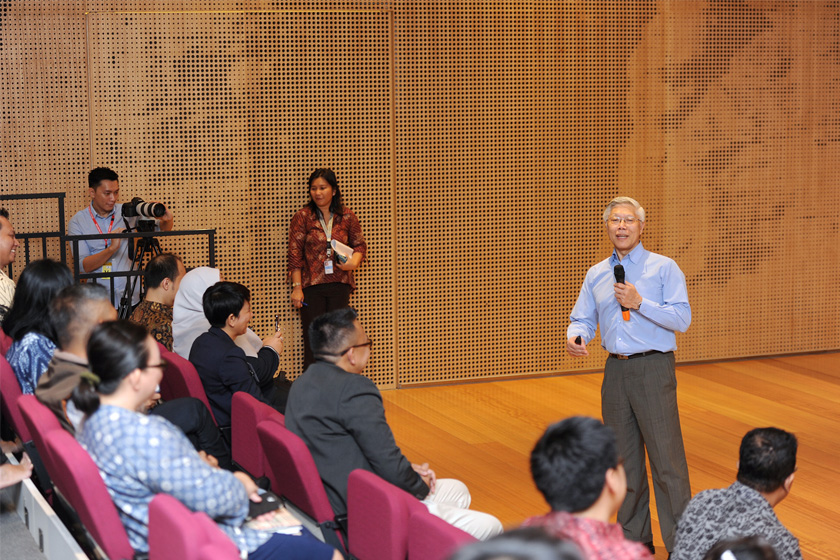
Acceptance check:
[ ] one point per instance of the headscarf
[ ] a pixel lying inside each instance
(188, 320)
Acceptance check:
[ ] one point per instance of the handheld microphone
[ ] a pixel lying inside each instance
(619, 279)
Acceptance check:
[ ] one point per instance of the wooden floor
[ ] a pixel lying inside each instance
(483, 433)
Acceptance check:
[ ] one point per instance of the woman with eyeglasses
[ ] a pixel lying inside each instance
(139, 456)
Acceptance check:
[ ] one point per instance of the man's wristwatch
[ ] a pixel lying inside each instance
(295, 284)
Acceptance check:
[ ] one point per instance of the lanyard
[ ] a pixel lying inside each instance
(327, 226)
(111, 226)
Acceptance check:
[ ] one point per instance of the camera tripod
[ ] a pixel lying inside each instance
(144, 246)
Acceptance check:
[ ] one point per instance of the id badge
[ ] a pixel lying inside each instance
(328, 266)
(106, 268)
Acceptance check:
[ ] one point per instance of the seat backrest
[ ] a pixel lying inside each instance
(77, 479)
(40, 421)
(378, 515)
(5, 342)
(432, 538)
(9, 394)
(292, 471)
(176, 533)
(180, 379)
(246, 413)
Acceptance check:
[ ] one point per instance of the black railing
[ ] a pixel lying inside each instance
(27, 238)
(137, 271)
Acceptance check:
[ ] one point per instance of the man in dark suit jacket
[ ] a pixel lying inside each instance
(339, 414)
(222, 365)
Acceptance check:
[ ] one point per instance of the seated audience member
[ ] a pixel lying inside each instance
(139, 456)
(188, 320)
(74, 312)
(745, 548)
(576, 467)
(27, 322)
(162, 276)
(8, 248)
(222, 365)
(338, 412)
(531, 543)
(766, 467)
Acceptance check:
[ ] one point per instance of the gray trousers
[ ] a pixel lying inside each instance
(639, 402)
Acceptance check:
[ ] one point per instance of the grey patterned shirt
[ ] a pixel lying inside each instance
(737, 511)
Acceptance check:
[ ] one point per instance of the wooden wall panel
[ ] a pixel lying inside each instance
(478, 142)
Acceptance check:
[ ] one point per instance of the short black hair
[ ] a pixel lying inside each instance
(161, 267)
(528, 543)
(5, 214)
(570, 461)
(223, 299)
(100, 174)
(766, 458)
(72, 314)
(331, 332)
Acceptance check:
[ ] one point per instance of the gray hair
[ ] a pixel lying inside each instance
(622, 201)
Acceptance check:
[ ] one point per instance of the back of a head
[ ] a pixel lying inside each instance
(743, 548)
(570, 461)
(38, 284)
(331, 332)
(159, 268)
(223, 299)
(76, 310)
(767, 458)
(114, 349)
(530, 543)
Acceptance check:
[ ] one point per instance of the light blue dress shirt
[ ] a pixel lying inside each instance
(664, 310)
(82, 224)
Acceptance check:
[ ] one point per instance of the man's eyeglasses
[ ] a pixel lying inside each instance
(616, 220)
(369, 343)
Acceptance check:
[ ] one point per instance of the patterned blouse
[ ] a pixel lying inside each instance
(596, 539)
(29, 358)
(139, 456)
(157, 318)
(308, 246)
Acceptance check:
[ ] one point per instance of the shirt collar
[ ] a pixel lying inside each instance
(634, 256)
(106, 216)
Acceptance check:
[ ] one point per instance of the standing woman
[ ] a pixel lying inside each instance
(320, 281)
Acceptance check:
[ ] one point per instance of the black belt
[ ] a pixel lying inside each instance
(639, 355)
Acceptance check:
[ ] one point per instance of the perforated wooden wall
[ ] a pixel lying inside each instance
(477, 142)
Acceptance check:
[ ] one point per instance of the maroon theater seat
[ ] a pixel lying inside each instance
(176, 533)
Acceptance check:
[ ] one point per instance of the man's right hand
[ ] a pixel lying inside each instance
(274, 340)
(576, 350)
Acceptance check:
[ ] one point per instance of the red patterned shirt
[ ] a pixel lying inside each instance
(596, 540)
(308, 246)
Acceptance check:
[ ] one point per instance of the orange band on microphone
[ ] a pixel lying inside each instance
(626, 315)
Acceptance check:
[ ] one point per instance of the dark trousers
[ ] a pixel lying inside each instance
(320, 299)
(639, 402)
(194, 419)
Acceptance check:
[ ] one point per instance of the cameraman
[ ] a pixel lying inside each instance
(104, 215)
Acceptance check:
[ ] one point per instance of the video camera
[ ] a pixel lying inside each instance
(143, 210)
